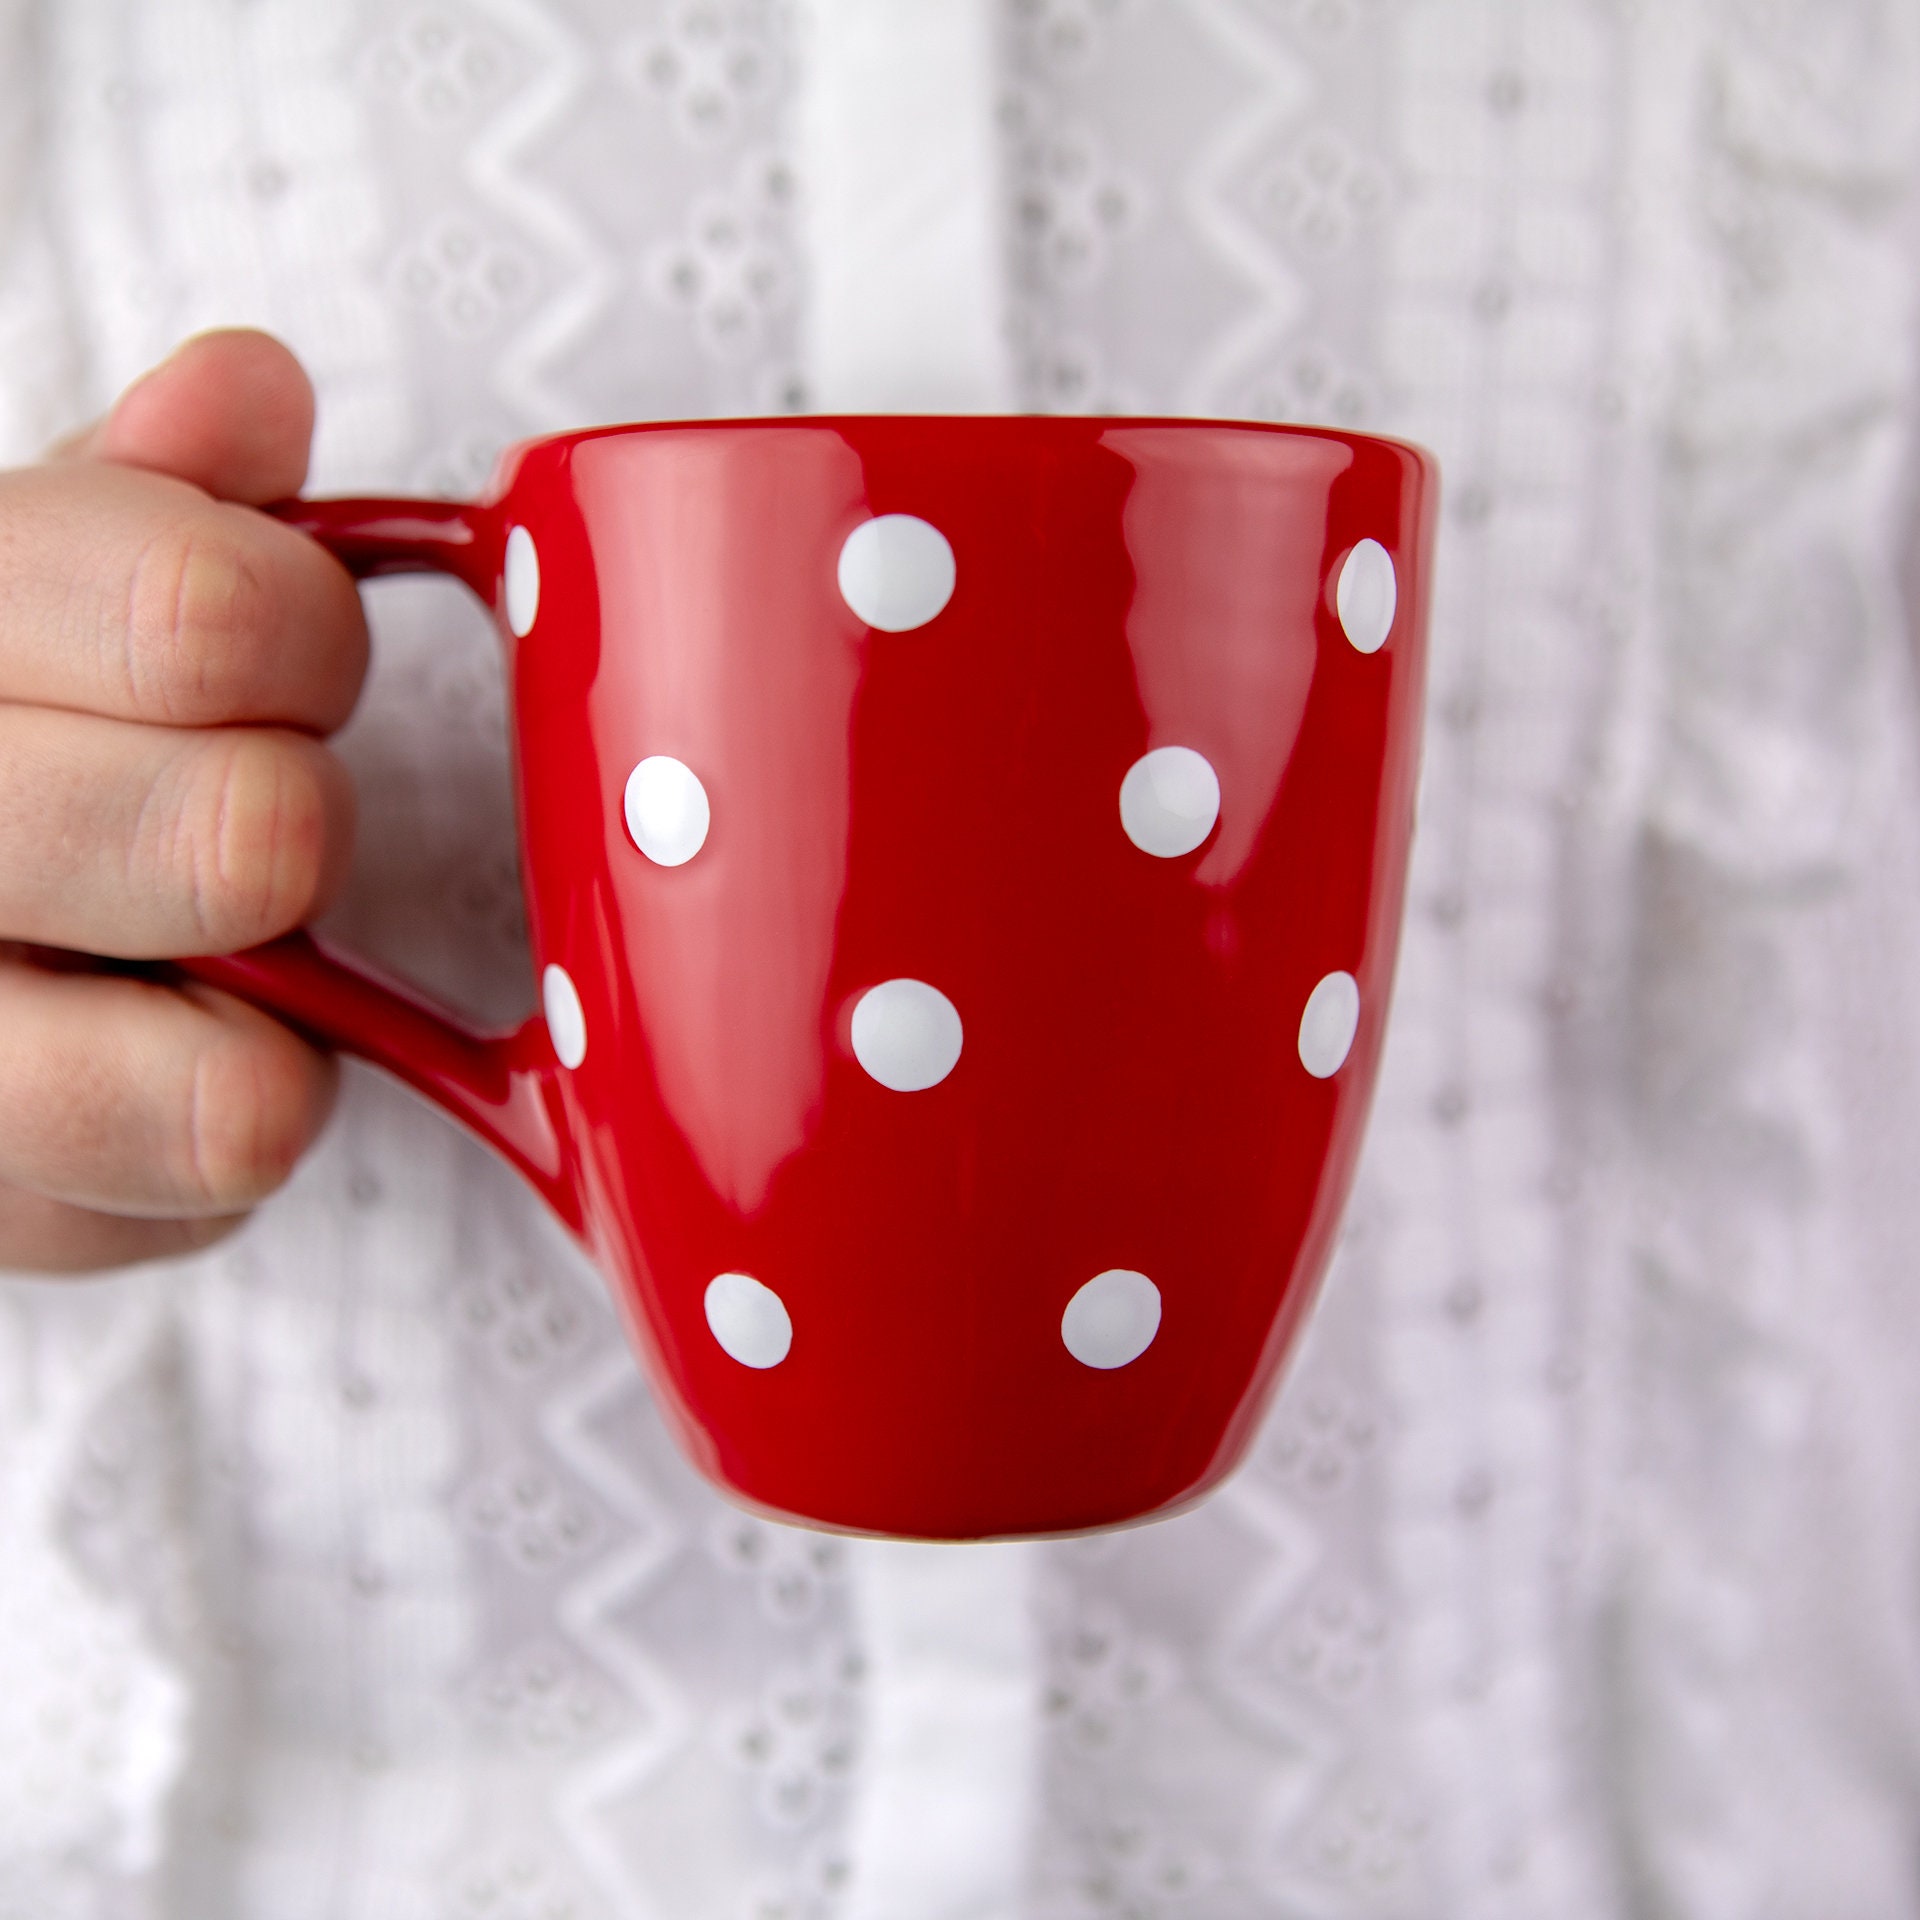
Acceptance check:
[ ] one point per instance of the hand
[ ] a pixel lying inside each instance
(170, 661)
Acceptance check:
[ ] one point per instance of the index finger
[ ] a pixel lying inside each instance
(129, 593)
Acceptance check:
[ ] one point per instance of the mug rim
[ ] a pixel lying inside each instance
(1064, 423)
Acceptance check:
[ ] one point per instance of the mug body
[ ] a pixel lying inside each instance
(964, 859)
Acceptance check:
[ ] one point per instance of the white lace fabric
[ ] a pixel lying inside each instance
(348, 1570)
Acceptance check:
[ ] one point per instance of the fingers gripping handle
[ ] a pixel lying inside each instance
(503, 1086)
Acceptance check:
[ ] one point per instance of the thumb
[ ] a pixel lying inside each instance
(231, 411)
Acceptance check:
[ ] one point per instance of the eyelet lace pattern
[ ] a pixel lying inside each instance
(348, 1568)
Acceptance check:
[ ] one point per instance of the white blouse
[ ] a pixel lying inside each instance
(347, 1570)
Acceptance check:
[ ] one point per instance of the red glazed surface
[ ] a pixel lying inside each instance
(942, 805)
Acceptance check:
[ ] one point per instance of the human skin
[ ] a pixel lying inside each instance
(171, 663)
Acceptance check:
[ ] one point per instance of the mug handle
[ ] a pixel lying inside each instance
(503, 1086)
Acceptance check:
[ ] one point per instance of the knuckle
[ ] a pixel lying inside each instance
(259, 830)
(199, 615)
(252, 1107)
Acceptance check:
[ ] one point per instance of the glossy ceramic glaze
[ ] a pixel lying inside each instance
(1102, 1080)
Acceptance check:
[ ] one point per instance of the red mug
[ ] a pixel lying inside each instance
(964, 863)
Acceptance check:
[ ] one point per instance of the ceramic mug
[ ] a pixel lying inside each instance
(964, 861)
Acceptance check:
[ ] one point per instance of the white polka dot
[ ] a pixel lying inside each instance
(906, 1034)
(1112, 1319)
(1169, 801)
(1366, 596)
(896, 572)
(523, 582)
(749, 1320)
(566, 1018)
(667, 810)
(1326, 1028)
